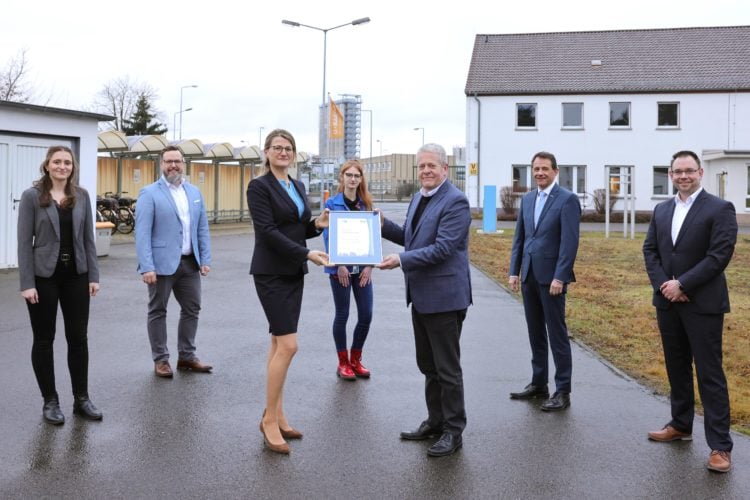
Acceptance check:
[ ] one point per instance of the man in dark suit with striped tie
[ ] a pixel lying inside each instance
(544, 250)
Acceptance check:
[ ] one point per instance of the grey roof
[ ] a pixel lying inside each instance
(46, 109)
(705, 59)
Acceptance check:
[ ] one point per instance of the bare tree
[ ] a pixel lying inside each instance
(13, 79)
(119, 98)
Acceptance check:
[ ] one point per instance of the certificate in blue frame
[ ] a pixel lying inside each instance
(354, 238)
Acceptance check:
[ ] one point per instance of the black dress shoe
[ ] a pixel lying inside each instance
(446, 445)
(425, 431)
(531, 391)
(83, 407)
(52, 413)
(558, 401)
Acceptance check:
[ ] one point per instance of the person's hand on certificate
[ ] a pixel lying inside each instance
(390, 262)
(380, 214)
(317, 257)
(322, 221)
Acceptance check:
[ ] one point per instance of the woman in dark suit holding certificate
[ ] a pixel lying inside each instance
(347, 280)
(282, 222)
(57, 264)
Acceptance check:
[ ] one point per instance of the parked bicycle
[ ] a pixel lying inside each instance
(116, 209)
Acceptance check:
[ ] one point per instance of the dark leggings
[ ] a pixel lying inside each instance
(71, 290)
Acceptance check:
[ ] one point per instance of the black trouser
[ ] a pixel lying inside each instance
(437, 337)
(72, 292)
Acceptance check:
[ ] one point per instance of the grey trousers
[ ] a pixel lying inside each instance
(186, 285)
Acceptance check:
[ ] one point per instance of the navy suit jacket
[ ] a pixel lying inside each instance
(697, 259)
(550, 248)
(280, 232)
(158, 229)
(435, 260)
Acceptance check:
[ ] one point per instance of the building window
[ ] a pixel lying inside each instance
(662, 182)
(572, 178)
(668, 114)
(521, 178)
(572, 115)
(619, 114)
(526, 115)
(618, 180)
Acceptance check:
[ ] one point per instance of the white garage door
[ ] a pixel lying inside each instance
(20, 158)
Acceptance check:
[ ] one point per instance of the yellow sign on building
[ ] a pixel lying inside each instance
(473, 169)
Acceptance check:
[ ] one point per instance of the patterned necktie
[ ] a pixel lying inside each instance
(539, 206)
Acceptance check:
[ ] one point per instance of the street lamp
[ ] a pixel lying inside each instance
(181, 89)
(174, 122)
(325, 34)
(260, 136)
(422, 129)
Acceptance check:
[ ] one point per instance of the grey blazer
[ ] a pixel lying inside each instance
(39, 238)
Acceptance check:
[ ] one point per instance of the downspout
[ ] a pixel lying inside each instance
(479, 144)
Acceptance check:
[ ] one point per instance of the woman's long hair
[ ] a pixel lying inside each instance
(362, 192)
(44, 183)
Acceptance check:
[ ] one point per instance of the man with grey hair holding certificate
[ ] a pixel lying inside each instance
(435, 262)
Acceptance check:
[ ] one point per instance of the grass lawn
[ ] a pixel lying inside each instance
(609, 309)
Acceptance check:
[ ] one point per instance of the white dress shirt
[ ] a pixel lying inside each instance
(681, 209)
(183, 210)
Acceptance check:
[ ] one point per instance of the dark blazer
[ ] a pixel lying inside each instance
(280, 232)
(435, 260)
(550, 248)
(39, 238)
(703, 249)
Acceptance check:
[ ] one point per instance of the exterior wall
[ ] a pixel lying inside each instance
(25, 135)
(706, 121)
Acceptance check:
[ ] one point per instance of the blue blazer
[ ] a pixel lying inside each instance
(158, 230)
(703, 249)
(435, 260)
(549, 249)
(280, 232)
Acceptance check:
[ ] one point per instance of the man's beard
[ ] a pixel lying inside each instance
(174, 179)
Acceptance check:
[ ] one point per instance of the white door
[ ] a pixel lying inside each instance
(20, 158)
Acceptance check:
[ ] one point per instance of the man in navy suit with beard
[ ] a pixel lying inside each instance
(689, 243)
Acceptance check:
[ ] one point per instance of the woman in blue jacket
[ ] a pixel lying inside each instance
(352, 195)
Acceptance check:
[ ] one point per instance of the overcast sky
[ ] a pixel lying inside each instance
(409, 63)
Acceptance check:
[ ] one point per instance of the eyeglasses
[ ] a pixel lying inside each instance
(687, 171)
(172, 162)
(279, 149)
(349, 175)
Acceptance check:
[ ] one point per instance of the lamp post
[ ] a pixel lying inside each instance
(325, 31)
(260, 137)
(174, 122)
(181, 89)
(422, 129)
(382, 182)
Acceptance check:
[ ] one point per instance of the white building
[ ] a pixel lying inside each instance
(26, 131)
(625, 99)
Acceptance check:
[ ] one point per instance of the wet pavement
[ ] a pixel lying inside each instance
(196, 436)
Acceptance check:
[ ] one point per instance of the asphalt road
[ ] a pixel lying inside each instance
(196, 436)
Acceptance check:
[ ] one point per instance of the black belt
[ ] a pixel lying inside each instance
(65, 257)
(188, 256)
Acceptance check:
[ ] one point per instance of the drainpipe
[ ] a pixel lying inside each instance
(479, 144)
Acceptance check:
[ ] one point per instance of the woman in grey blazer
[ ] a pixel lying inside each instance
(57, 263)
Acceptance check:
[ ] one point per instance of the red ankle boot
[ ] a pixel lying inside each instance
(356, 363)
(344, 370)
